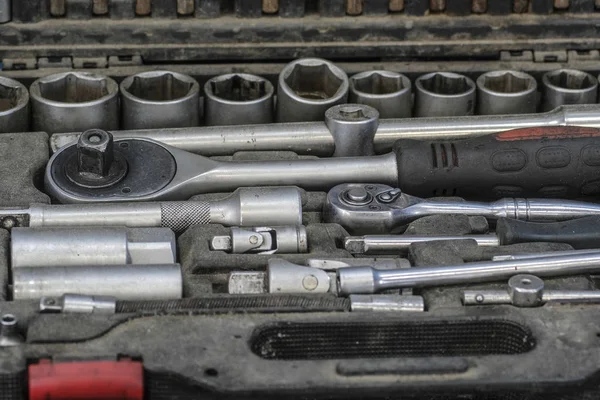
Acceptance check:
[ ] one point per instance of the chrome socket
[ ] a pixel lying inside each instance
(160, 99)
(444, 94)
(353, 127)
(307, 88)
(14, 106)
(74, 101)
(238, 99)
(388, 92)
(568, 86)
(506, 92)
(9, 331)
(125, 282)
(71, 246)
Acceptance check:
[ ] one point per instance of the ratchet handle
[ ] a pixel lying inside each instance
(562, 161)
(581, 233)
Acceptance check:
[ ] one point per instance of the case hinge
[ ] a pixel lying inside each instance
(583, 55)
(11, 64)
(550, 56)
(516, 55)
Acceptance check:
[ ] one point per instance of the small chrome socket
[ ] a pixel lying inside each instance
(160, 99)
(388, 92)
(307, 88)
(568, 86)
(444, 94)
(238, 99)
(506, 92)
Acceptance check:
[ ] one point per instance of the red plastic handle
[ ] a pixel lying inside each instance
(93, 380)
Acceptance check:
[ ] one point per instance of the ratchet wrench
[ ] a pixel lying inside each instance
(543, 162)
(98, 170)
(373, 208)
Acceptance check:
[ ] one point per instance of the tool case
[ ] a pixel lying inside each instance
(212, 345)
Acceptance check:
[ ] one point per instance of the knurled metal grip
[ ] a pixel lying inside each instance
(180, 215)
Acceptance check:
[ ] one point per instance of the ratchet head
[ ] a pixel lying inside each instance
(135, 169)
(363, 208)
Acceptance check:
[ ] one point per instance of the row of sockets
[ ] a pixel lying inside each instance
(306, 88)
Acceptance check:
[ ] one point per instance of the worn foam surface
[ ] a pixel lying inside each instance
(197, 258)
(23, 157)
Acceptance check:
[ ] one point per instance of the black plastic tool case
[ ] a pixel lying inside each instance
(449, 352)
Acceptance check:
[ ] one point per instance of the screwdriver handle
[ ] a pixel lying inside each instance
(562, 161)
(581, 233)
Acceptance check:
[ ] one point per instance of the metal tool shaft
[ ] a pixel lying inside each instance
(520, 209)
(368, 280)
(300, 137)
(245, 207)
(492, 297)
(528, 291)
(390, 244)
(320, 173)
(528, 256)
(390, 303)
(314, 137)
(78, 303)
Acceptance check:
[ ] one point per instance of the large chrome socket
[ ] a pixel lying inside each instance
(14, 106)
(506, 92)
(387, 92)
(66, 246)
(307, 88)
(444, 94)
(238, 99)
(568, 86)
(125, 282)
(160, 99)
(74, 101)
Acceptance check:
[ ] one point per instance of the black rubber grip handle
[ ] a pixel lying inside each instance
(581, 233)
(559, 161)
